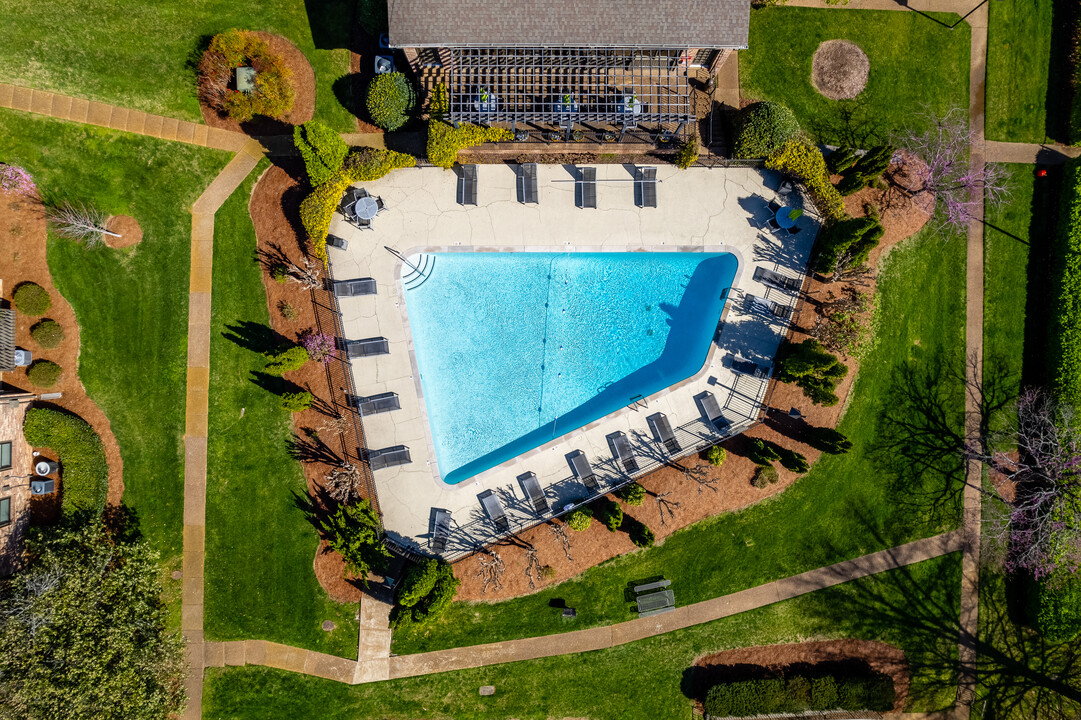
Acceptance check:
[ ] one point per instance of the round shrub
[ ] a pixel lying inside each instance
(763, 476)
(610, 514)
(390, 100)
(580, 520)
(47, 333)
(716, 456)
(31, 299)
(297, 401)
(44, 373)
(687, 154)
(762, 128)
(633, 494)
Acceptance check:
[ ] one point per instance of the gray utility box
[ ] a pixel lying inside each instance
(245, 79)
(42, 487)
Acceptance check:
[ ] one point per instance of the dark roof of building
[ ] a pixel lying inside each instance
(594, 23)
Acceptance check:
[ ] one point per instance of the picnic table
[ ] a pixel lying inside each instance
(366, 207)
(784, 218)
(652, 602)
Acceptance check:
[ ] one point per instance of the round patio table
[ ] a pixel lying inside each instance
(366, 208)
(783, 218)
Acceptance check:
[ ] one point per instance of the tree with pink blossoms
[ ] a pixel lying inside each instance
(1035, 463)
(320, 346)
(15, 179)
(940, 159)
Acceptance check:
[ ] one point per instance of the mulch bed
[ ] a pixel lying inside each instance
(273, 208)
(23, 258)
(883, 658)
(127, 227)
(687, 501)
(303, 83)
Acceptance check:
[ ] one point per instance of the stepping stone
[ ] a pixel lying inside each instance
(177, 575)
(487, 689)
(329, 625)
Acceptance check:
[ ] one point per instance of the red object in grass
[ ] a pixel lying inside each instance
(1041, 173)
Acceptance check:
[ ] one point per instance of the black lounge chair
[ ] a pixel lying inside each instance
(440, 531)
(366, 347)
(583, 470)
(748, 367)
(621, 448)
(531, 487)
(352, 288)
(708, 402)
(388, 457)
(769, 307)
(585, 188)
(467, 185)
(777, 280)
(336, 242)
(375, 404)
(662, 431)
(645, 187)
(490, 501)
(527, 184)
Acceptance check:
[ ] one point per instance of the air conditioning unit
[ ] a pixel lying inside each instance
(45, 467)
(23, 358)
(42, 487)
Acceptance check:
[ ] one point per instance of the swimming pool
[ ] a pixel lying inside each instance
(517, 349)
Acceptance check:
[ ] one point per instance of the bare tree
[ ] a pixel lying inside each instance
(700, 474)
(940, 160)
(1035, 462)
(343, 483)
(491, 571)
(561, 535)
(666, 505)
(533, 567)
(336, 423)
(308, 276)
(78, 222)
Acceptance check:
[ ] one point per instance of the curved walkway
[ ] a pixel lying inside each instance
(258, 652)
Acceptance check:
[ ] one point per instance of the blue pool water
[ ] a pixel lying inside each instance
(516, 349)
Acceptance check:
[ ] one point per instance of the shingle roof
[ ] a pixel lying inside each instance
(591, 23)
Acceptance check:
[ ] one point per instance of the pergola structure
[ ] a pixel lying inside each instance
(568, 85)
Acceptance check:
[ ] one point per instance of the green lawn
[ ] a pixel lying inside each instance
(131, 304)
(1006, 274)
(874, 497)
(259, 547)
(913, 608)
(141, 54)
(1018, 56)
(916, 65)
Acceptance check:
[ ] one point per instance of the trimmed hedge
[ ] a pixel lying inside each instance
(361, 165)
(444, 141)
(1054, 606)
(31, 299)
(804, 162)
(813, 368)
(846, 243)
(799, 693)
(44, 373)
(762, 128)
(1066, 310)
(322, 150)
(427, 589)
(390, 100)
(283, 361)
(47, 333)
(85, 477)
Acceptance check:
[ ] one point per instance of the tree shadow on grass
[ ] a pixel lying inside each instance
(312, 449)
(274, 384)
(852, 125)
(257, 337)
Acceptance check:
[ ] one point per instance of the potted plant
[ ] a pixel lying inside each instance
(521, 135)
(567, 99)
(608, 136)
(552, 135)
(578, 136)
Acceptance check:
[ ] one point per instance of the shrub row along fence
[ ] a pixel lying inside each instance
(813, 690)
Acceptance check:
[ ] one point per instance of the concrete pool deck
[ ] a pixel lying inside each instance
(699, 210)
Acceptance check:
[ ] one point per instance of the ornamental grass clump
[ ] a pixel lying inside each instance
(31, 299)
(273, 95)
(47, 333)
(390, 100)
